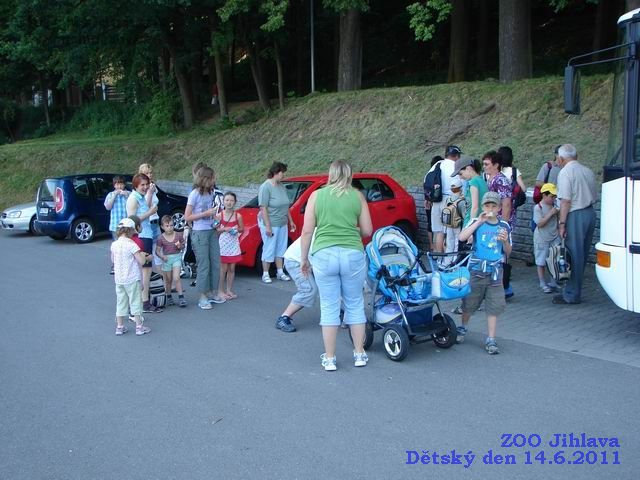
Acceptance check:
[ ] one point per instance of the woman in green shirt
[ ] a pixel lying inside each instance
(340, 215)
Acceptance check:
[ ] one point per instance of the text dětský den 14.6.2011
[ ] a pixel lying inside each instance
(529, 449)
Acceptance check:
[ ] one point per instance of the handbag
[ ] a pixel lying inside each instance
(519, 197)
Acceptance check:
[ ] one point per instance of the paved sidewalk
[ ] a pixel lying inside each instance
(595, 328)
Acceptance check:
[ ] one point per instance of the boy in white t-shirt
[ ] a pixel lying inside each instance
(545, 235)
(307, 290)
(127, 259)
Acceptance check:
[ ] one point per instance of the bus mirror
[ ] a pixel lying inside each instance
(571, 90)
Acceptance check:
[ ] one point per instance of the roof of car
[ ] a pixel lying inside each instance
(87, 175)
(323, 176)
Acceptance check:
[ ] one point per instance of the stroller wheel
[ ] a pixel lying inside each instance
(396, 342)
(368, 336)
(445, 338)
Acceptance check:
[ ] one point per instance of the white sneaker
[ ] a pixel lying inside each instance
(266, 278)
(284, 277)
(329, 363)
(360, 359)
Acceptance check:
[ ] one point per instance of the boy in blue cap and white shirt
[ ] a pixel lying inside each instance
(491, 242)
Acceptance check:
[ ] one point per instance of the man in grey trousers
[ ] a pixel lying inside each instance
(577, 194)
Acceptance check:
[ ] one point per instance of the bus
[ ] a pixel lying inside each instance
(618, 251)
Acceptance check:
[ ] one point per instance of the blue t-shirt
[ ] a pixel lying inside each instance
(487, 249)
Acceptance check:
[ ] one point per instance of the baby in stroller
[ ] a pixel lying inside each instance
(403, 294)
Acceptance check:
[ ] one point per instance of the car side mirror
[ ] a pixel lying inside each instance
(571, 90)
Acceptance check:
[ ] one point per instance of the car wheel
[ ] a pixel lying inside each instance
(177, 216)
(396, 342)
(447, 337)
(32, 226)
(408, 230)
(82, 230)
(58, 236)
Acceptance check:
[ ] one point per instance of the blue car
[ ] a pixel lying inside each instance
(74, 206)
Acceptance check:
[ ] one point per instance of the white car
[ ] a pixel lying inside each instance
(21, 217)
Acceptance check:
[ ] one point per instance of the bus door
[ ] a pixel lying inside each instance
(633, 218)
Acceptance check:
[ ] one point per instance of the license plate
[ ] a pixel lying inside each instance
(43, 211)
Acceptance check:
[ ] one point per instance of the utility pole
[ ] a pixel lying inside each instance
(313, 52)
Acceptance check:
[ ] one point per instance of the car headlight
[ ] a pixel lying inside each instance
(14, 214)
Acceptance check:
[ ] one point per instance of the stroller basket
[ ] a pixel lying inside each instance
(451, 281)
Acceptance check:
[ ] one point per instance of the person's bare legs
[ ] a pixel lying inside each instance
(265, 267)
(231, 275)
(358, 334)
(224, 270)
(146, 279)
(492, 321)
(292, 309)
(438, 242)
(329, 336)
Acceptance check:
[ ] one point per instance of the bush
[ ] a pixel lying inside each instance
(158, 116)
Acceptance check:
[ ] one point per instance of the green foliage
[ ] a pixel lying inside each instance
(562, 4)
(158, 116)
(425, 16)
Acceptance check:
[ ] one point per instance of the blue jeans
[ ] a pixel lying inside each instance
(340, 273)
(207, 250)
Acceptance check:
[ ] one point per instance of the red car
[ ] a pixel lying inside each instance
(389, 204)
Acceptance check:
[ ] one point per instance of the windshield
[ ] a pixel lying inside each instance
(614, 146)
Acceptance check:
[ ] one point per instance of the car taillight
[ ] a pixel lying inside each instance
(59, 200)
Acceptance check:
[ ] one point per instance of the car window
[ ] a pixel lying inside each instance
(47, 190)
(373, 189)
(81, 188)
(101, 187)
(294, 190)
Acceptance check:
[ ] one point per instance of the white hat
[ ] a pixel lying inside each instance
(127, 222)
(456, 183)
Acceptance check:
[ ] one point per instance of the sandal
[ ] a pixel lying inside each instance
(230, 295)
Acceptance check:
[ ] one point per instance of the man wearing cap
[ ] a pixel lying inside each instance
(452, 153)
(577, 194)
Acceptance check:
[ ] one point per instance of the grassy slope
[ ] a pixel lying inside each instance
(393, 130)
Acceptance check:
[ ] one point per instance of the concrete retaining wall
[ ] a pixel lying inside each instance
(522, 234)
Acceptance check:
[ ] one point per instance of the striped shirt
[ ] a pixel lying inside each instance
(118, 210)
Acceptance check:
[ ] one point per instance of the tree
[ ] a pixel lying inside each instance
(514, 40)
(350, 49)
(459, 41)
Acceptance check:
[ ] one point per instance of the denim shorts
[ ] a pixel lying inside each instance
(173, 260)
(340, 274)
(307, 291)
(274, 246)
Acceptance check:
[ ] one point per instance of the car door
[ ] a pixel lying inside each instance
(380, 200)
(100, 185)
(298, 193)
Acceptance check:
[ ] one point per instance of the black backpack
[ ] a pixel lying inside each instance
(433, 185)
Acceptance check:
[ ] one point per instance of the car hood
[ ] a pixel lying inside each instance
(22, 206)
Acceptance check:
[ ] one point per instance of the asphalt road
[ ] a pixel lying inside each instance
(223, 394)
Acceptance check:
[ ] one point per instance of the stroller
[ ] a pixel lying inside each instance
(188, 258)
(403, 293)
